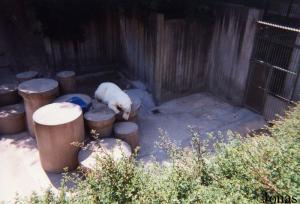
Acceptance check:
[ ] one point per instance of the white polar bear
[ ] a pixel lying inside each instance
(115, 98)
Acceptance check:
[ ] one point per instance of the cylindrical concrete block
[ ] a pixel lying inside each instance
(67, 98)
(136, 104)
(67, 81)
(87, 99)
(9, 94)
(128, 132)
(25, 76)
(100, 123)
(98, 106)
(58, 126)
(115, 148)
(12, 119)
(37, 93)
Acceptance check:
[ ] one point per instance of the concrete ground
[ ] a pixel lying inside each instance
(203, 111)
(20, 169)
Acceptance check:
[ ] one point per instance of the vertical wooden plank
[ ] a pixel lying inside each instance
(158, 56)
(141, 51)
(152, 37)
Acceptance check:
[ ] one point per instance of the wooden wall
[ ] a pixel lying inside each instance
(100, 48)
(138, 48)
(23, 48)
(185, 48)
(20, 47)
(230, 52)
(178, 57)
(173, 57)
(168, 55)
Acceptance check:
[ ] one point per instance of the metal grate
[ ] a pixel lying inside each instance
(273, 82)
(285, 12)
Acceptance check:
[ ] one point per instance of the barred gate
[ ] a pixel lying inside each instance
(273, 82)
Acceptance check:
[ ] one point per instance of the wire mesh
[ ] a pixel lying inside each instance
(273, 83)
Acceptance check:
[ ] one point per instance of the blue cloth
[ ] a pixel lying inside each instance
(78, 101)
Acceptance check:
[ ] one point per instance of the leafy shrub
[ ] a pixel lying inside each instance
(242, 170)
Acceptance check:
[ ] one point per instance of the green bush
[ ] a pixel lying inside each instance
(242, 170)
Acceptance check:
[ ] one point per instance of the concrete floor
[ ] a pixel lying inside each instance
(203, 111)
(21, 172)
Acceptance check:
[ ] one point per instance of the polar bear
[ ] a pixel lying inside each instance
(115, 98)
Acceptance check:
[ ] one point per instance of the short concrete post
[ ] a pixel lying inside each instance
(128, 132)
(133, 116)
(37, 93)
(12, 119)
(67, 81)
(98, 106)
(25, 76)
(100, 121)
(115, 148)
(9, 94)
(65, 98)
(59, 127)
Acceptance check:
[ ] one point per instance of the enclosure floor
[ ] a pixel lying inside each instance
(20, 169)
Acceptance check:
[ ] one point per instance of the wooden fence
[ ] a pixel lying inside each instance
(100, 47)
(138, 48)
(168, 55)
(178, 57)
(173, 57)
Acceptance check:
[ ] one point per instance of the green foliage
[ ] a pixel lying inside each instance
(243, 170)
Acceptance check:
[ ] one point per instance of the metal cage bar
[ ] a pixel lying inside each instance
(273, 82)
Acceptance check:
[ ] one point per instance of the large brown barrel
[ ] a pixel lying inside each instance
(67, 81)
(59, 131)
(12, 119)
(37, 93)
(9, 94)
